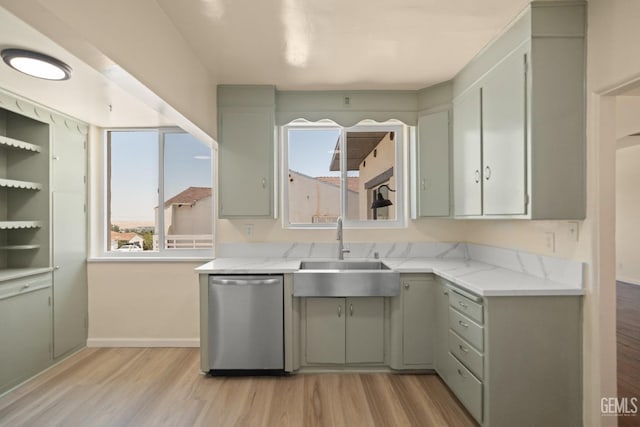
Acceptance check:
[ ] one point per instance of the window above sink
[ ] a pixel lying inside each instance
(365, 186)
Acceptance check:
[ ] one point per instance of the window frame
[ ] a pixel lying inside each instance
(103, 251)
(403, 134)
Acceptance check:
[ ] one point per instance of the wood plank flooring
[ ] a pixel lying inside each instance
(164, 387)
(628, 345)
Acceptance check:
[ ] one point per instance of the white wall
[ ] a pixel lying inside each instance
(628, 214)
(140, 304)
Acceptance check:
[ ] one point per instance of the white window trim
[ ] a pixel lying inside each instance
(100, 239)
(404, 133)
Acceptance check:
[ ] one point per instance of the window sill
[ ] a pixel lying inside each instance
(157, 259)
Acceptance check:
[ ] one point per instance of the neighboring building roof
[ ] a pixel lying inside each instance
(189, 196)
(123, 237)
(353, 182)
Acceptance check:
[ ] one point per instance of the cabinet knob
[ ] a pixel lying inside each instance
(423, 184)
(463, 349)
(351, 309)
(487, 173)
(57, 267)
(463, 324)
(477, 176)
(264, 182)
(406, 286)
(463, 305)
(339, 310)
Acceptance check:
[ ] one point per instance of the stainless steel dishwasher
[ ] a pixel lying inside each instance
(246, 326)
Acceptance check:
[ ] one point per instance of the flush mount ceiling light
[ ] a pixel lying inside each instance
(36, 64)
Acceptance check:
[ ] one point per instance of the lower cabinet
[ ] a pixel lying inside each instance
(412, 323)
(344, 330)
(441, 358)
(512, 358)
(25, 329)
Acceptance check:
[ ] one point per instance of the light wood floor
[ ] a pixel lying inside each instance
(628, 348)
(164, 387)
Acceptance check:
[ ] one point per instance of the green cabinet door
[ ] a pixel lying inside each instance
(418, 329)
(442, 332)
(25, 331)
(69, 224)
(433, 165)
(365, 330)
(504, 137)
(325, 330)
(467, 154)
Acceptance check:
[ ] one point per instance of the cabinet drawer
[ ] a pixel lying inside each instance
(466, 387)
(23, 285)
(466, 328)
(465, 353)
(466, 306)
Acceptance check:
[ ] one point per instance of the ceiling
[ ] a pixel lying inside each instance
(339, 44)
(292, 44)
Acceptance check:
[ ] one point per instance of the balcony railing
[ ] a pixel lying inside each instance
(185, 241)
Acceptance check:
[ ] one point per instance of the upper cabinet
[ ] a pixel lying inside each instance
(519, 126)
(246, 130)
(432, 165)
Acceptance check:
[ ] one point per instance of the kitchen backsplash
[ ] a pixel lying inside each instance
(545, 267)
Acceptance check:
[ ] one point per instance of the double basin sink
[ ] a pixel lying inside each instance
(345, 278)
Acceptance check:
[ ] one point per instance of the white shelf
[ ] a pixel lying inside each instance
(26, 185)
(15, 225)
(18, 247)
(16, 143)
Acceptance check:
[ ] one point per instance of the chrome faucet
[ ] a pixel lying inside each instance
(340, 238)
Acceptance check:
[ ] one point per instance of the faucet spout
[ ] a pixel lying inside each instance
(340, 239)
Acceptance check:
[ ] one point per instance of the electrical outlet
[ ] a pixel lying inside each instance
(550, 241)
(248, 230)
(574, 231)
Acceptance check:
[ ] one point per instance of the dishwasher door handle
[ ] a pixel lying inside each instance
(245, 282)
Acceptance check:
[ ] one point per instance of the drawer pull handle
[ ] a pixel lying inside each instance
(463, 349)
(464, 325)
(351, 309)
(27, 286)
(463, 305)
(407, 286)
(445, 292)
(477, 176)
(461, 373)
(339, 310)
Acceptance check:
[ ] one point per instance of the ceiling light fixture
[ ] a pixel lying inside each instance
(36, 64)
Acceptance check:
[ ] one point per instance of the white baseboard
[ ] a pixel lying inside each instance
(143, 342)
(628, 280)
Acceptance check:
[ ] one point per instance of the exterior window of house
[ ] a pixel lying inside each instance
(159, 193)
(321, 184)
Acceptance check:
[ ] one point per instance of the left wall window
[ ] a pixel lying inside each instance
(159, 193)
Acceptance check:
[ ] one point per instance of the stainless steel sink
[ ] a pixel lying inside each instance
(345, 279)
(343, 265)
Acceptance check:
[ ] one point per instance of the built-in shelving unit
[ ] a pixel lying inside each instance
(26, 185)
(24, 192)
(17, 225)
(18, 247)
(16, 143)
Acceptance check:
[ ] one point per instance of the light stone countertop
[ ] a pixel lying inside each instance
(474, 276)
